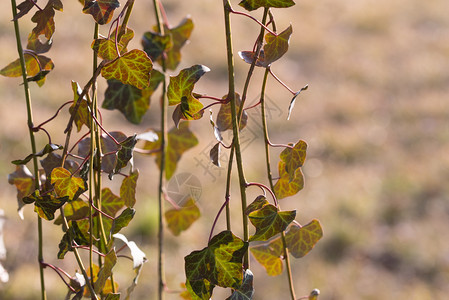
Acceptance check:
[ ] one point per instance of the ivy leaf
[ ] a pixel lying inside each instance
(188, 109)
(106, 47)
(110, 203)
(255, 4)
(294, 158)
(101, 10)
(123, 220)
(46, 205)
(269, 221)
(292, 102)
(23, 8)
(47, 149)
(24, 182)
(37, 46)
(257, 204)
(132, 68)
(285, 187)
(269, 256)
(34, 64)
(246, 290)
(44, 19)
(224, 117)
(154, 44)
(125, 153)
(128, 189)
(129, 100)
(74, 210)
(67, 185)
(301, 240)
(220, 263)
(107, 289)
(214, 154)
(82, 116)
(139, 257)
(179, 141)
(180, 219)
(106, 271)
(198, 290)
(249, 56)
(179, 36)
(52, 161)
(112, 296)
(276, 46)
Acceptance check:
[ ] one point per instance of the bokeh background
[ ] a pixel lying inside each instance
(375, 118)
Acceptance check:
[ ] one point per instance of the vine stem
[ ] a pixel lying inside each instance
(270, 180)
(163, 139)
(32, 142)
(235, 124)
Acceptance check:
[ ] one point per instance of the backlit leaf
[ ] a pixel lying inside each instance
(179, 141)
(199, 290)
(131, 101)
(74, 210)
(269, 256)
(107, 289)
(285, 187)
(294, 158)
(220, 263)
(301, 240)
(155, 44)
(224, 117)
(82, 116)
(125, 153)
(128, 189)
(246, 290)
(106, 49)
(24, 182)
(110, 203)
(111, 296)
(34, 64)
(47, 149)
(101, 10)
(106, 271)
(249, 56)
(72, 234)
(123, 220)
(44, 19)
(269, 221)
(257, 204)
(139, 257)
(65, 184)
(38, 46)
(45, 205)
(180, 219)
(255, 4)
(276, 46)
(52, 161)
(132, 68)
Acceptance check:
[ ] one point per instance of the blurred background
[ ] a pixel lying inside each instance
(375, 118)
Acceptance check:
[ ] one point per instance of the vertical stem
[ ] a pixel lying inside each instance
(270, 180)
(32, 142)
(235, 125)
(161, 267)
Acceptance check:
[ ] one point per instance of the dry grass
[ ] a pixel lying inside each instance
(375, 118)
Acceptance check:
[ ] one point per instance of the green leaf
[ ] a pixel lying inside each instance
(257, 204)
(106, 47)
(67, 185)
(220, 263)
(74, 210)
(125, 153)
(24, 182)
(35, 65)
(47, 149)
(154, 44)
(188, 109)
(131, 101)
(269, 221)
(224, 117)
(45, 205)
(110, 203)
(301, 240)
(132, 68)
(74, 233)
(198, 290)
(82, 116)
(123, 219)
(180, 219)
(179, 35)
(246, 290)
(101, 10)
(276, 46)
(269, 256)
(255, 4)
(179, 141)
(294, 158)
(285, 187)
(106, 271)
(128, 189)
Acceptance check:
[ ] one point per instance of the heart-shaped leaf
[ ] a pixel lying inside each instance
(67, 185)
(301, 240)
(180, 219)
(269, 221)
(285, 187)
(269, 256)
(101, 10)
(294, 158)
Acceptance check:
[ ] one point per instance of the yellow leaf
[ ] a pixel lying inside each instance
(65, 184)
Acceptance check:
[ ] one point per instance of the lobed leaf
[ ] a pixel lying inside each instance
(255, 4)
(132, 68)
(106, 48)
(269, 256)
(294, 158)
(180, 219)
(285, 187)
(53, 160)
(125, 153)
(74, 210)
(35, 65)
(23, 9)
(128, 189)
(257, 204)
(246, 290)
(101, 10)
(67, 185)
(224, 117)
(154, 44)
(110, 203)
(82, 115)
(301, 240)
(276, 46)
(269, 221)
(45, 206)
